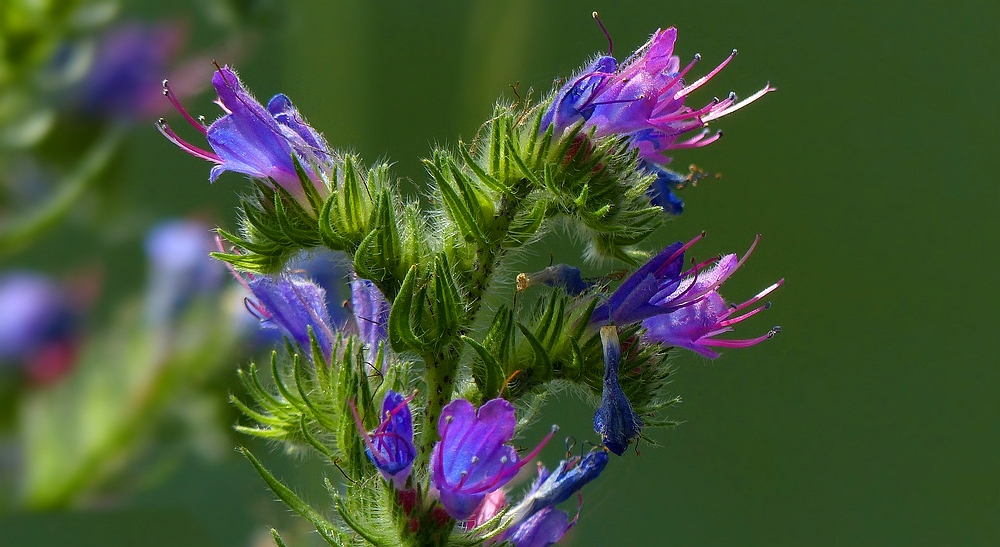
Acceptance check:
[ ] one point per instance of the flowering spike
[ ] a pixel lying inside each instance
(614, 420)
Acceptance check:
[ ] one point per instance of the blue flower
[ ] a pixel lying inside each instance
(563, 276)
(551, 489)
(661, 191)
(632, 300)
(614, 420)
(473, 458)
(390, 445)
(293, 305)
(541, 529)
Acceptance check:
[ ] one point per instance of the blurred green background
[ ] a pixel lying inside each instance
(873, 419)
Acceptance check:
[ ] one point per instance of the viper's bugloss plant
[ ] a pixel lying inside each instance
(436, 467)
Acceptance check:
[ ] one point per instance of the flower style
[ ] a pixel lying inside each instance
(257, 141)
(371, 313)
(614, 420)
(473, 458)
(390, 445)
(643, 98)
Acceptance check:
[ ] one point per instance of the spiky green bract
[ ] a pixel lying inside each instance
(552, 348)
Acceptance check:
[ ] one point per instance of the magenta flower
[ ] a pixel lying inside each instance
(614, 420)
(696, 325)
(473, 458)
(256, 141)
(642, 98)
(390, 445)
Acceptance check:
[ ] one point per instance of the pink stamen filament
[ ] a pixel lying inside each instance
(169, 94)
(678, 253)
(701, 81)
(167, 132)
(736, 343)
(361, 428)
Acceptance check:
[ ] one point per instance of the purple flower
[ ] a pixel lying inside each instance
(696, 325)
(561, 276)
(473, 458)
(633, 300)
(390, 445)
(293, 305)
(257, 141)
(614, 420)
(371, 313)
(181, 268)
(541, 529)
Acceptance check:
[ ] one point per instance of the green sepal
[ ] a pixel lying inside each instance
(488, 374)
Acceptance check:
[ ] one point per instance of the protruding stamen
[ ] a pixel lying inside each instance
(701, 81)
(680, 251)
(167, 132)
(697, 142)
(611, 46)
(172, 97)
(720, 113)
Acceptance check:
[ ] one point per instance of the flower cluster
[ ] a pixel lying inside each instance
(421, 281)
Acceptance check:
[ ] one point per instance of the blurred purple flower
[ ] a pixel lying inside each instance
(256, 141)
(390, 445)
(181, 268)
(473, 458)
(39, 325)
(614, 420)
(130, 60)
